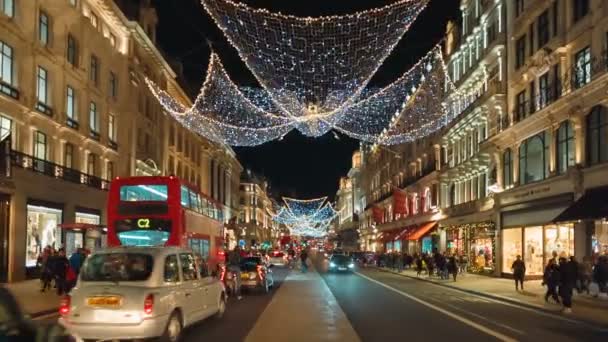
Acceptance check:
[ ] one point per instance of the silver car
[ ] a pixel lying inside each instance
(140, 293)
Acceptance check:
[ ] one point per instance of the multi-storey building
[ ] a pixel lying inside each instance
(256, 225)
(553, 149)
(477, 62)
(402, 195)
(76, 109)
(348, 205)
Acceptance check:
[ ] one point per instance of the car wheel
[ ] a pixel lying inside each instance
(221, 307)
(173, 329)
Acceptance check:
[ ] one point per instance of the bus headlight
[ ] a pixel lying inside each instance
(351, 265)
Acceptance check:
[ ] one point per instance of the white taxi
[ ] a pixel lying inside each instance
(140, 293)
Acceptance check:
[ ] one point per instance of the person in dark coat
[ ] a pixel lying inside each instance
(519, 272)
(60, 268)
(567, 280)
(551, 279)
(452, 266)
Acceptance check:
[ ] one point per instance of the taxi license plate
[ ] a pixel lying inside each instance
(105, 301)
(342, 268)
(245, 276)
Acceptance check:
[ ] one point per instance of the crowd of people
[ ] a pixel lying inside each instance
(442, 265)
(58, 271)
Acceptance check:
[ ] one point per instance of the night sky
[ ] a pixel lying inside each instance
(297, 166)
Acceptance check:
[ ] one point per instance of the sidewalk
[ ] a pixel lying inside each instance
(303, 309)
(584, 307)
(32, 301)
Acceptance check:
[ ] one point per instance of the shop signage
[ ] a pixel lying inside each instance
(526, 195)
(399, 202)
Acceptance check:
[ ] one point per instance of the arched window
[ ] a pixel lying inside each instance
(533, 159)
(565, 147)
(507, 171)
(597, 135)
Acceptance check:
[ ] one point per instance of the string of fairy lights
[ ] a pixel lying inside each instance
(310, 218)
(314, 74)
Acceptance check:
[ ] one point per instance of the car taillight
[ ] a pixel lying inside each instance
(223, 273)
(149, 304)
(64, 305)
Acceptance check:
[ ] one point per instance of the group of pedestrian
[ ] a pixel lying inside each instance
(57, 271)
(564, 275)
(438, 264)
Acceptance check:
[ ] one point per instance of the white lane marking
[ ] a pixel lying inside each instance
(539, 311)
(468, 322)
(479, 316)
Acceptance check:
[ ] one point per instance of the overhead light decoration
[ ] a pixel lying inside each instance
(313, 73)
(310, 218)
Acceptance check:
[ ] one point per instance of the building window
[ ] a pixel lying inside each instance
(94, 20)
(6, 63)
(94, 69)
(6, 127)
(110, 171)
(68, 156)
(43, 28)
(597, 135)
(42, 86)
(72, 50)
(113, 91)
(91, 164)
(533, 159)
(507, 171)
(8, 7)
(543, 28)
(112, 127)
(40, 147)
(543, 87)
(565, 147)
(580, 10)
(519, 7)
(520, 51)
(520, 105)
(70, 104)
(582, 75)
(74, 2)
(93, 118)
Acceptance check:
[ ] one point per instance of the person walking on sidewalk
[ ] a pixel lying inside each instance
(452, 266)
(60, 268)
(519, 272)
(45, 271)
(567, 281)
(551, 279)
(303, 259)
(463, 262)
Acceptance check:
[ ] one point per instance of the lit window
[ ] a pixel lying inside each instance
(597, 135)
(582, 75)
(40, 146)
(507, 168)
(91, 164)
(42, 86)
(8, 7)
(43, 28)
(70, 104)
(112, 127)
(93, 117)
(6, 63)
(534, 159)
(6, 127)
(72, 50)
(94, 69)
(565, 147)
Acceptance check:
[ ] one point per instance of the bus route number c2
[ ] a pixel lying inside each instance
(143, 223)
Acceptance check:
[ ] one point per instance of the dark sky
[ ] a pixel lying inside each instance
(297, 166)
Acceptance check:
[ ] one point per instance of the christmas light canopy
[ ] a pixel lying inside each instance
(306, 217)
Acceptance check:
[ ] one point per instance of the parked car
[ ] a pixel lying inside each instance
(140, 293)
(341, 263)
(255, 274)
(277, 258)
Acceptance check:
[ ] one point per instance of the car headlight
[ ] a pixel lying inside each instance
(351, 265)
(331, 264)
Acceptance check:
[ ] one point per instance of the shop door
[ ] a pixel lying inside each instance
(73, 241)
(4, 230)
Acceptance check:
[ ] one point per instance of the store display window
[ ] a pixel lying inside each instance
(482, 255)
(42, 230)
(599, 241)
(389, 246)
(397, 246)
(533, 253)
(559, 241)
(427, 245)
(511, 247)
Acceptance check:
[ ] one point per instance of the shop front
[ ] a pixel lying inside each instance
(475, 240)
(423, 238)
(528, 231)
(42, 230)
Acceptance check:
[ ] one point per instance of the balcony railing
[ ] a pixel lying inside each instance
(113, 145)
(9, 90)
(72, 123)
(44, 109)
(50, 169)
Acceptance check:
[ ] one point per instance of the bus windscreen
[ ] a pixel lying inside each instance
(140, 193)
(143, 231)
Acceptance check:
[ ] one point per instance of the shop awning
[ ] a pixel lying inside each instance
(422, 230)
(81, 226)
(404, 232)
(593, 205)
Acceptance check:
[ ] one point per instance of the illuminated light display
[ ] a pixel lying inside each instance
(313, 66)
(310, 218)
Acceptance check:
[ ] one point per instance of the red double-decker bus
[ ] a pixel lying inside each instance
(164, 211)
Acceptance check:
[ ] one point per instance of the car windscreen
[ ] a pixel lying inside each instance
(341, 259)
(117, 267)
(250, 264)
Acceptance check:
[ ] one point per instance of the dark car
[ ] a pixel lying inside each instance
(341, 263)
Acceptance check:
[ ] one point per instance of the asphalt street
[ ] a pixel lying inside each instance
(382, 306)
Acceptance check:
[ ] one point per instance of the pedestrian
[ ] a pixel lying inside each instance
(551, 280)
(430, 266)
(45, 271)
(303, 259)
(60, 269)
(462, 263)
(419, 266)
(519, 272)
(452, 266)
(567, 281)
(76, 260)
(585, 273)
(600, 273)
